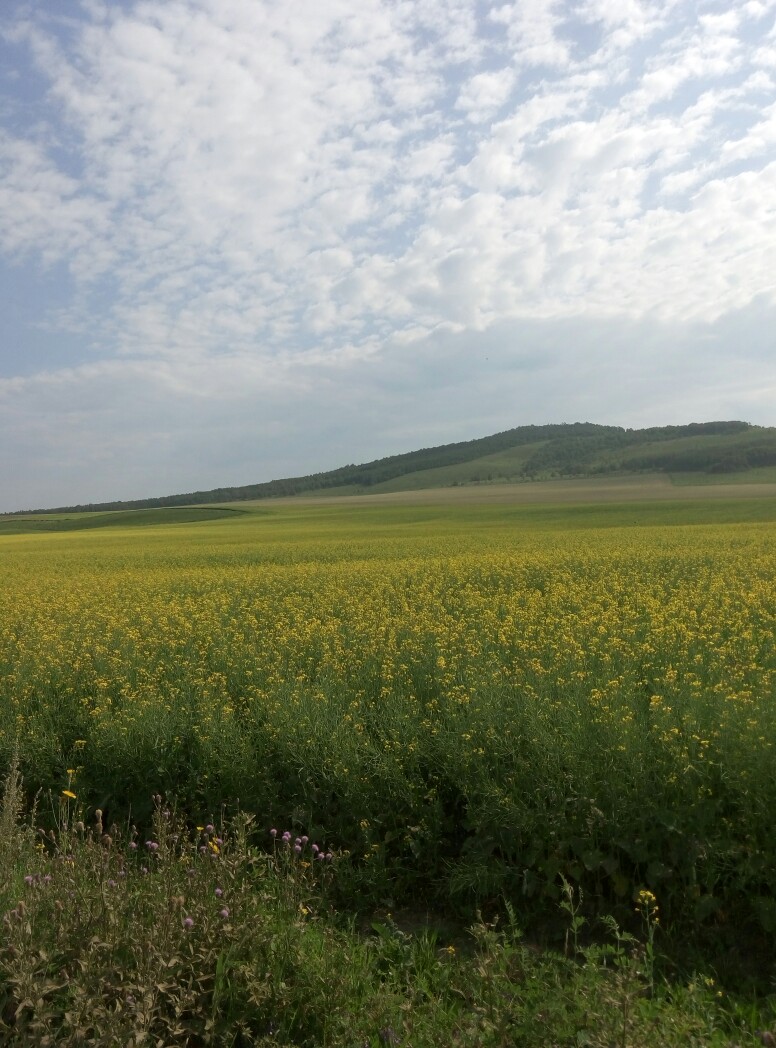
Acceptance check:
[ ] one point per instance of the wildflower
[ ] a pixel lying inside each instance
(224, 913)
(69, 793)
(646, 901)
(152, 846)
(298, 849)
(273, 832)
(219, 892)
(29, 879)
(210, 828)
(188, 923)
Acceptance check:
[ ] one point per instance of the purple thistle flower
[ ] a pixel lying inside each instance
(298, 849)
(273, 832)
(305, 839)
(224, 913)
(29, 879)
(188, 922)
(210, 828)
(219, 892)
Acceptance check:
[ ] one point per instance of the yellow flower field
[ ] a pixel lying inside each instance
(467, 702)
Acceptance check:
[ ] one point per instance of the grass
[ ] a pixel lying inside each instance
(196, 936)
(508, 715)
(761, 475)
(138, 518)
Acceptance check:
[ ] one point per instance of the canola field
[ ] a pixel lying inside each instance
(471, 703)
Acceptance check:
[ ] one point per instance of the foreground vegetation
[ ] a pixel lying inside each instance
(195, 937)
(566, 728)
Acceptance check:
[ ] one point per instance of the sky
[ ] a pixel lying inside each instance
(243, 240)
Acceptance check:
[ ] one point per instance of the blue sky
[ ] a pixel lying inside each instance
(242, 240)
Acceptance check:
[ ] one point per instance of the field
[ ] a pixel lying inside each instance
(478, 704)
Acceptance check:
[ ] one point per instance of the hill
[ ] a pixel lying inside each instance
(582, 449)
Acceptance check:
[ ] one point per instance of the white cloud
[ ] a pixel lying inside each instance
(532, 31)
(484, 93)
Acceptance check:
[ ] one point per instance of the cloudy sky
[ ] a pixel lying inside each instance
(242, 239)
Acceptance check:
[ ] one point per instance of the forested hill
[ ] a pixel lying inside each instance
(576, 449)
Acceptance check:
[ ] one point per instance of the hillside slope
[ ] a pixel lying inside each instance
(580, 449)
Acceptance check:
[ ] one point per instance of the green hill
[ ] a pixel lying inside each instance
(700, 451)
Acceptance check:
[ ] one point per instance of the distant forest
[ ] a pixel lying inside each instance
(564, 450)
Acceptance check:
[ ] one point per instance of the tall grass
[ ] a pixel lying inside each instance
(193, 935)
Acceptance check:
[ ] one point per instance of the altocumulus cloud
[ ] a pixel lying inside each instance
(241, 239)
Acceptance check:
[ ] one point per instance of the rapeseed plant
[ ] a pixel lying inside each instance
(472, 714)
